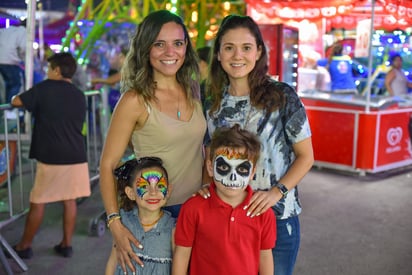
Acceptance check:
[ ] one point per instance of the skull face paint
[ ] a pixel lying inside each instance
(231, 172)
(151, 179)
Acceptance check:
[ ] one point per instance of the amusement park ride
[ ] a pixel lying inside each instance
(201, 16)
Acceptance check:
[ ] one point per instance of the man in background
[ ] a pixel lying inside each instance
(12, 50)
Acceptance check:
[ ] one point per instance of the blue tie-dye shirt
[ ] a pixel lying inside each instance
(286, 126)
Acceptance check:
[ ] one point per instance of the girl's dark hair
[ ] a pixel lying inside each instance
(264, 93)
(137, 72)
(236, 137)
(126, 176)
(65, 61)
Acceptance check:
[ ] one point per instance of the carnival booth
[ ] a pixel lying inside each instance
(347, 137)
(352, 132)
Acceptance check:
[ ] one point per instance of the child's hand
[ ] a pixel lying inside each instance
(262, 201)
(122, 238)
(204, 191)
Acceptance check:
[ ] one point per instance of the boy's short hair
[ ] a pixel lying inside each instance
(65, 61)
(235, 137)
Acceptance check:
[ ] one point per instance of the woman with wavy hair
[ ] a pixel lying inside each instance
(159, 111)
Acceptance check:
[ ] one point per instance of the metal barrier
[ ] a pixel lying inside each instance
(7, 168)
(11, 160)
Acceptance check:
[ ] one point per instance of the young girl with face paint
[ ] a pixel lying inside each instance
(216, 236)
(143, 188)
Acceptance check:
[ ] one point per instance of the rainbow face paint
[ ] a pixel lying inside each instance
(151, 179)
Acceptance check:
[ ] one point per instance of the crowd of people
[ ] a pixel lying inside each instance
(220, 148)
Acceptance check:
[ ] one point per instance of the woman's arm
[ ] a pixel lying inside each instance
(266, 265)
(263, 200)
(111, 80)
(126, 116)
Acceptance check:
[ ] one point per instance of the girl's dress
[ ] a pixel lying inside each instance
(157, 244)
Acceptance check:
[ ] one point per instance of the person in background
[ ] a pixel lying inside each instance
(239, 244)
(340, 69)
(204, 58)
(243, 93)
(79, 79)
(57, 144)
(113, 79)
(313, 74)
(396, 82)
(143, 188)
(12, 50)
(115, 76)
(160, 112)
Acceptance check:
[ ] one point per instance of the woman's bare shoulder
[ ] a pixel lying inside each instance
(131, 104)
(132, 98)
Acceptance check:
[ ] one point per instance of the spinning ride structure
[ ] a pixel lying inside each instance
(202, 17)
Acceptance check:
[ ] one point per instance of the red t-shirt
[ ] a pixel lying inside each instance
(223, 239)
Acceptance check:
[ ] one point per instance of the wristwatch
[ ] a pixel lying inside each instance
(283, 189)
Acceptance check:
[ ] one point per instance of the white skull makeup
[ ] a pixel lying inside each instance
(232, 173)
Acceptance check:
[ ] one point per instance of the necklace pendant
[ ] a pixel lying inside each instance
(178, 115)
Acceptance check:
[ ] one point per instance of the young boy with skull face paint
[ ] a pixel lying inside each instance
(143, 188)
(216, 236)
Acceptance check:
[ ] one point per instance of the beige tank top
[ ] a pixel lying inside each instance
(179, 145)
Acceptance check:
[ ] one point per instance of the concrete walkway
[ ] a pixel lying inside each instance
(350, 225)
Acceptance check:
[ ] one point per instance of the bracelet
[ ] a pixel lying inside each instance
(111, 218)
(109, 222)
(112, 215)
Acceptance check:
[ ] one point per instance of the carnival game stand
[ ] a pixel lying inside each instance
(348, 135)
